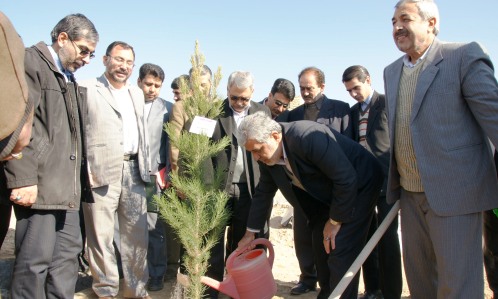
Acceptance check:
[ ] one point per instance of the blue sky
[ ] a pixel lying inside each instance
(269, 38)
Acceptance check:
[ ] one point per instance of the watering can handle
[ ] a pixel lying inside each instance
(260, 241)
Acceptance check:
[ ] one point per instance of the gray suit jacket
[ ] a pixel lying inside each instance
(158, 139)
(454, 110)
(377, 131)
(104, 133)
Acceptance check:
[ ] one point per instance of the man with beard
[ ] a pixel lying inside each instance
(46, 184)
(317, 107)
(118, 168)
(442, 106)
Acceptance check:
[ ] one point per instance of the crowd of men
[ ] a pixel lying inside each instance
(81, 161)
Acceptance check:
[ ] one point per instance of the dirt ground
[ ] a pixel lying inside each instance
(285, 268)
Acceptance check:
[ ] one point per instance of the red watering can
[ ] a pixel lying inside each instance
(249, 274)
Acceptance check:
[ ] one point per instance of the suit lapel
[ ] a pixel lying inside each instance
(138, 103)
(155, 111)
(426, 76)
(299, 113)
(253, 108)
(288, 153)
(392, 77)
(226, 121)
(374, 111)
(103, 89)
(326, 110)
(355, 120)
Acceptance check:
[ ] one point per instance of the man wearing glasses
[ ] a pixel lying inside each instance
(46, 184)
(242, 171)
(119, 167)
(281, 95)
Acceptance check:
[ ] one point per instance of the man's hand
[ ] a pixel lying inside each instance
(24, 196)
(245, 241)
(329, 232)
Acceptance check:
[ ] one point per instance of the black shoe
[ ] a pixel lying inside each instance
(155, 284)
(301, 288)
(372, 295)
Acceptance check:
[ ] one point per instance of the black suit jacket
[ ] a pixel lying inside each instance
(225, 160)
(327, 164)
(333, 113)
(377, 135)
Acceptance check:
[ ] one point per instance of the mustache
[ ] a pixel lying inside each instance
(123, 72)
(401, 32)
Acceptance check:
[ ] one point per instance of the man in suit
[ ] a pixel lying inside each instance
(442, 101)
(150, 80)
(119, 167)
(47, 184)
(317, 107)
(242, 172)
(329, 177)
(382, 270)
(279, 99)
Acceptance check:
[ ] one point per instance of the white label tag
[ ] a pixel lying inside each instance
(202, 125)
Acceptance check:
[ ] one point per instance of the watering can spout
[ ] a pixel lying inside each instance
(227, 286)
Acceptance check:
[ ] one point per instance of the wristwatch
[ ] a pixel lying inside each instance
(333, 222)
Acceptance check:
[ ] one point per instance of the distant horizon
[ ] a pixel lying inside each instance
(270, 39)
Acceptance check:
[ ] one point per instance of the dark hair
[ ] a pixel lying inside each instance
(319, 75)
(355, 71)
(151, 69)
(285, 87)
(204, 71)
(77, 27)
(122, 45)
(176, 82)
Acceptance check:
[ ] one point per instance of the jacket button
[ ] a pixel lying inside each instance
(72, 157)
(71, 205)
(233, 159)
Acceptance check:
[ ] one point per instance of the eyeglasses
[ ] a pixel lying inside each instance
(121, 60)
(236, 98)
(278, 103)
(83, 51)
